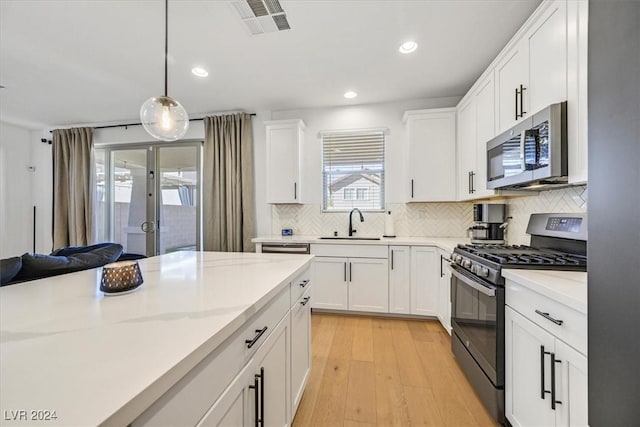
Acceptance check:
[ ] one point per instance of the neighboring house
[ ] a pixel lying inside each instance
(360, 190)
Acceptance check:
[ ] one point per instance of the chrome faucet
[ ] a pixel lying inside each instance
(351, 230)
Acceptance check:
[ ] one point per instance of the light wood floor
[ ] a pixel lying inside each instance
(385, 372)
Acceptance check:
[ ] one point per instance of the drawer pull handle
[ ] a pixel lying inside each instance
(255, 339)
(305, 300)
(304, 283)
(549, 318)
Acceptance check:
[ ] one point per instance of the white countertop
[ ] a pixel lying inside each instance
(445, 243)
(566, 287)
(65, 347)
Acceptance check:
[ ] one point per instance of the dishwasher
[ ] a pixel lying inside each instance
(286, 248)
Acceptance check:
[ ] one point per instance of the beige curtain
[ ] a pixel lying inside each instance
(73, 181)
(228, 184)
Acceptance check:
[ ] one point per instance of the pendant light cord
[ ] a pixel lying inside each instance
(166, 43)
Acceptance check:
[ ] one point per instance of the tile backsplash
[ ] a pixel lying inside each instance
(427, 219)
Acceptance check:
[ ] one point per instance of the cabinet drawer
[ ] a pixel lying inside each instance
(541, 309)
(299, 285)
(187, 401)
(360, 251)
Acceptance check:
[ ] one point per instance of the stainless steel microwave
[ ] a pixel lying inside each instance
(531, 154)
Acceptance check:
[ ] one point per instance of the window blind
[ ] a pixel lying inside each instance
(353, 164)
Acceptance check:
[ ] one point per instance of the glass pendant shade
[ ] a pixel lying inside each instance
(164, 118)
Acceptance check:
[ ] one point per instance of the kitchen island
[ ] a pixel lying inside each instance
(69, 355)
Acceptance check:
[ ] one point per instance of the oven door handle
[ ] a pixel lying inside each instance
(480, 288)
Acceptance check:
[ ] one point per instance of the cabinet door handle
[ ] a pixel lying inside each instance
(516, 98)
(295, 191)
(522, 112)
(262, 396)
(554, 402)
(549, 318)
(472, 188)
(345, 271)
(255, 394)
(542, 390)
(392, 258)
(305, 300)
(304, 283)
(412, 189)
(259, 332)
(350, 274)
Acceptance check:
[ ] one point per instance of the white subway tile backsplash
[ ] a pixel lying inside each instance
(428, 219)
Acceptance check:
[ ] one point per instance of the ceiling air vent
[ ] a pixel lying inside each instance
(262, 16)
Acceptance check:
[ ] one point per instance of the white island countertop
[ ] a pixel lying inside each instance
(445, 243)
(566, 287)
(98, 360)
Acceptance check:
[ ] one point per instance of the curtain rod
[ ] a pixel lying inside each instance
(138, 124)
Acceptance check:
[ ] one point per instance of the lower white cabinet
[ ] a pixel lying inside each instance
(300, 347)
(424, 280)
(444, 291)
(545, 379)
(357, 284)
(399, 279)
(259, 393)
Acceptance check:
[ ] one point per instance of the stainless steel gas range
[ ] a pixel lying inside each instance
(558, 242)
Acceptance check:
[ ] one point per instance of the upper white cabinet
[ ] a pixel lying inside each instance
(533, 73)
(476, 126)
(432, 155)
(285, 140)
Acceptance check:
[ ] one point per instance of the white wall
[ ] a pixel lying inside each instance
(386, 115)
(16, 209)
(42, 190)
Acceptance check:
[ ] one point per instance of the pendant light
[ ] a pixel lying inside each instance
(162, 116)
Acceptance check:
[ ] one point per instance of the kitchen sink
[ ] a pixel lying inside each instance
(348, 238)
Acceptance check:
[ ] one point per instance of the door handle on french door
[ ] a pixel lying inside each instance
(148, 226)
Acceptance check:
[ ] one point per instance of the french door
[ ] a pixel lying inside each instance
(148, 197)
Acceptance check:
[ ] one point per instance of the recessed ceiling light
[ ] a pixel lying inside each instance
(350, 94)
(408, 47)
(199, 71)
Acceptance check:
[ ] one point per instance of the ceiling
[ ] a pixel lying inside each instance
(89, 62)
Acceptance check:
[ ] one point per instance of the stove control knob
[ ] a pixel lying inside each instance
(483, 271)
(457, 259)
(466, 263)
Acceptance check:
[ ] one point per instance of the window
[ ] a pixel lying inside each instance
(353, 170)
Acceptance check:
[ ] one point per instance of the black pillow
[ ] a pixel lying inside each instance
(9, 268)
(37, 266)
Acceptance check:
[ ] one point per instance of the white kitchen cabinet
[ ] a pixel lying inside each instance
(400, 279)
(476, 126)
(577, 129)
(300, 347)
(431, 136)
(285, 139)
(357, 284)
(351, 277)
(512, 85)
(444, 291)
(330, 283)
(368, 284)
(543, 344)
(532, 74)
(261, 389)
(424, 280)
(467, 147)
(485, 130)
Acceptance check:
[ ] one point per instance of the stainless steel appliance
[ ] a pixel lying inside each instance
(532, 153)
(489, 224)
(558, 241)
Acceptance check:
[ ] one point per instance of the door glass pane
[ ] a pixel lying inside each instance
(178, 198)
(101, 207)
(129, 196)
